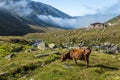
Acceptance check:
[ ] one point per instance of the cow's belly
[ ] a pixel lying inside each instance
(80, 57)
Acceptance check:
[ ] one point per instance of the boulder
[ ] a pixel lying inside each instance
(35, 43)
(10, 56)
(52, 45)
(42, 46)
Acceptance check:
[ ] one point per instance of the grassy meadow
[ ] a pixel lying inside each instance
(88, 36)
(25, 66)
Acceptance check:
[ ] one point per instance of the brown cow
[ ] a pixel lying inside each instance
(77, 54)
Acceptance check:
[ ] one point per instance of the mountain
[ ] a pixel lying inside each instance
(30, 10)
(19, 17)
(44, 9)
(13, 25)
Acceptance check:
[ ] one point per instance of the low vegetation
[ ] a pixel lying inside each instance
(88, 36)
(25, 66)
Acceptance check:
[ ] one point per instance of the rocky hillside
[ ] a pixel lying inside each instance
(85, 35)
(114, 22)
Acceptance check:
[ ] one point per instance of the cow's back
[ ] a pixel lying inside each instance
(77, 54)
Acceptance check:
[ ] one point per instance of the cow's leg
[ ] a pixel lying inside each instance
(87, 60)
(75, 60)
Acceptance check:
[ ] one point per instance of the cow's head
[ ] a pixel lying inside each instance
(63, 58)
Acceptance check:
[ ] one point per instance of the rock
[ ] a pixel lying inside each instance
(35, 43)
(107, 51)
(115, 48)
(3, 73)
(47, 54)
(31, 79)
(119, 59)
(107, 44)
(10, 56)
(117, 78)
(96, 48)
(52, 46)
(29, 50)
(64, 47)
(42, 46)
(113, 57)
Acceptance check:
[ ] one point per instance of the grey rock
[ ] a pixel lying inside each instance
(29, 50)
(52, 45)
(42, 46)
(10, 56)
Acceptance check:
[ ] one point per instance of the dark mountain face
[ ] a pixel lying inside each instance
(13, 25)
(17, 15)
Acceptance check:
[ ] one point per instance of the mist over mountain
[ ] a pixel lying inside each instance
(85, 21)
(30, 10)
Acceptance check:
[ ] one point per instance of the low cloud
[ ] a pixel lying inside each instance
(62, 22)
(77, 22)
(20, 8)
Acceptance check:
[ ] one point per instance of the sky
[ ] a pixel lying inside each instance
(85, 7)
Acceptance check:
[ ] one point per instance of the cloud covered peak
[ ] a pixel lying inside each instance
(19, 7)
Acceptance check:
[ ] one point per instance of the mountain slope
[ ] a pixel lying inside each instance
(44, 9)
(30, 10)
(114, 21)
(88, 19)
(13, 25)
(85, 35)
(19, 17)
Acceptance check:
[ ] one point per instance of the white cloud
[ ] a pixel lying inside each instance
(64, 23)
(20, 7)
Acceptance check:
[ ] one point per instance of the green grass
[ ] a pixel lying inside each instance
(88, 36)
(24, 66)
(102, 67)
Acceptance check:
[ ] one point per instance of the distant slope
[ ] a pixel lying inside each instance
(87, 36)
(114, 21)
(13, 25)
(86, 20)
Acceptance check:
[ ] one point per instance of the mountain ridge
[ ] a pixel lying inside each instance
(19, 19)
